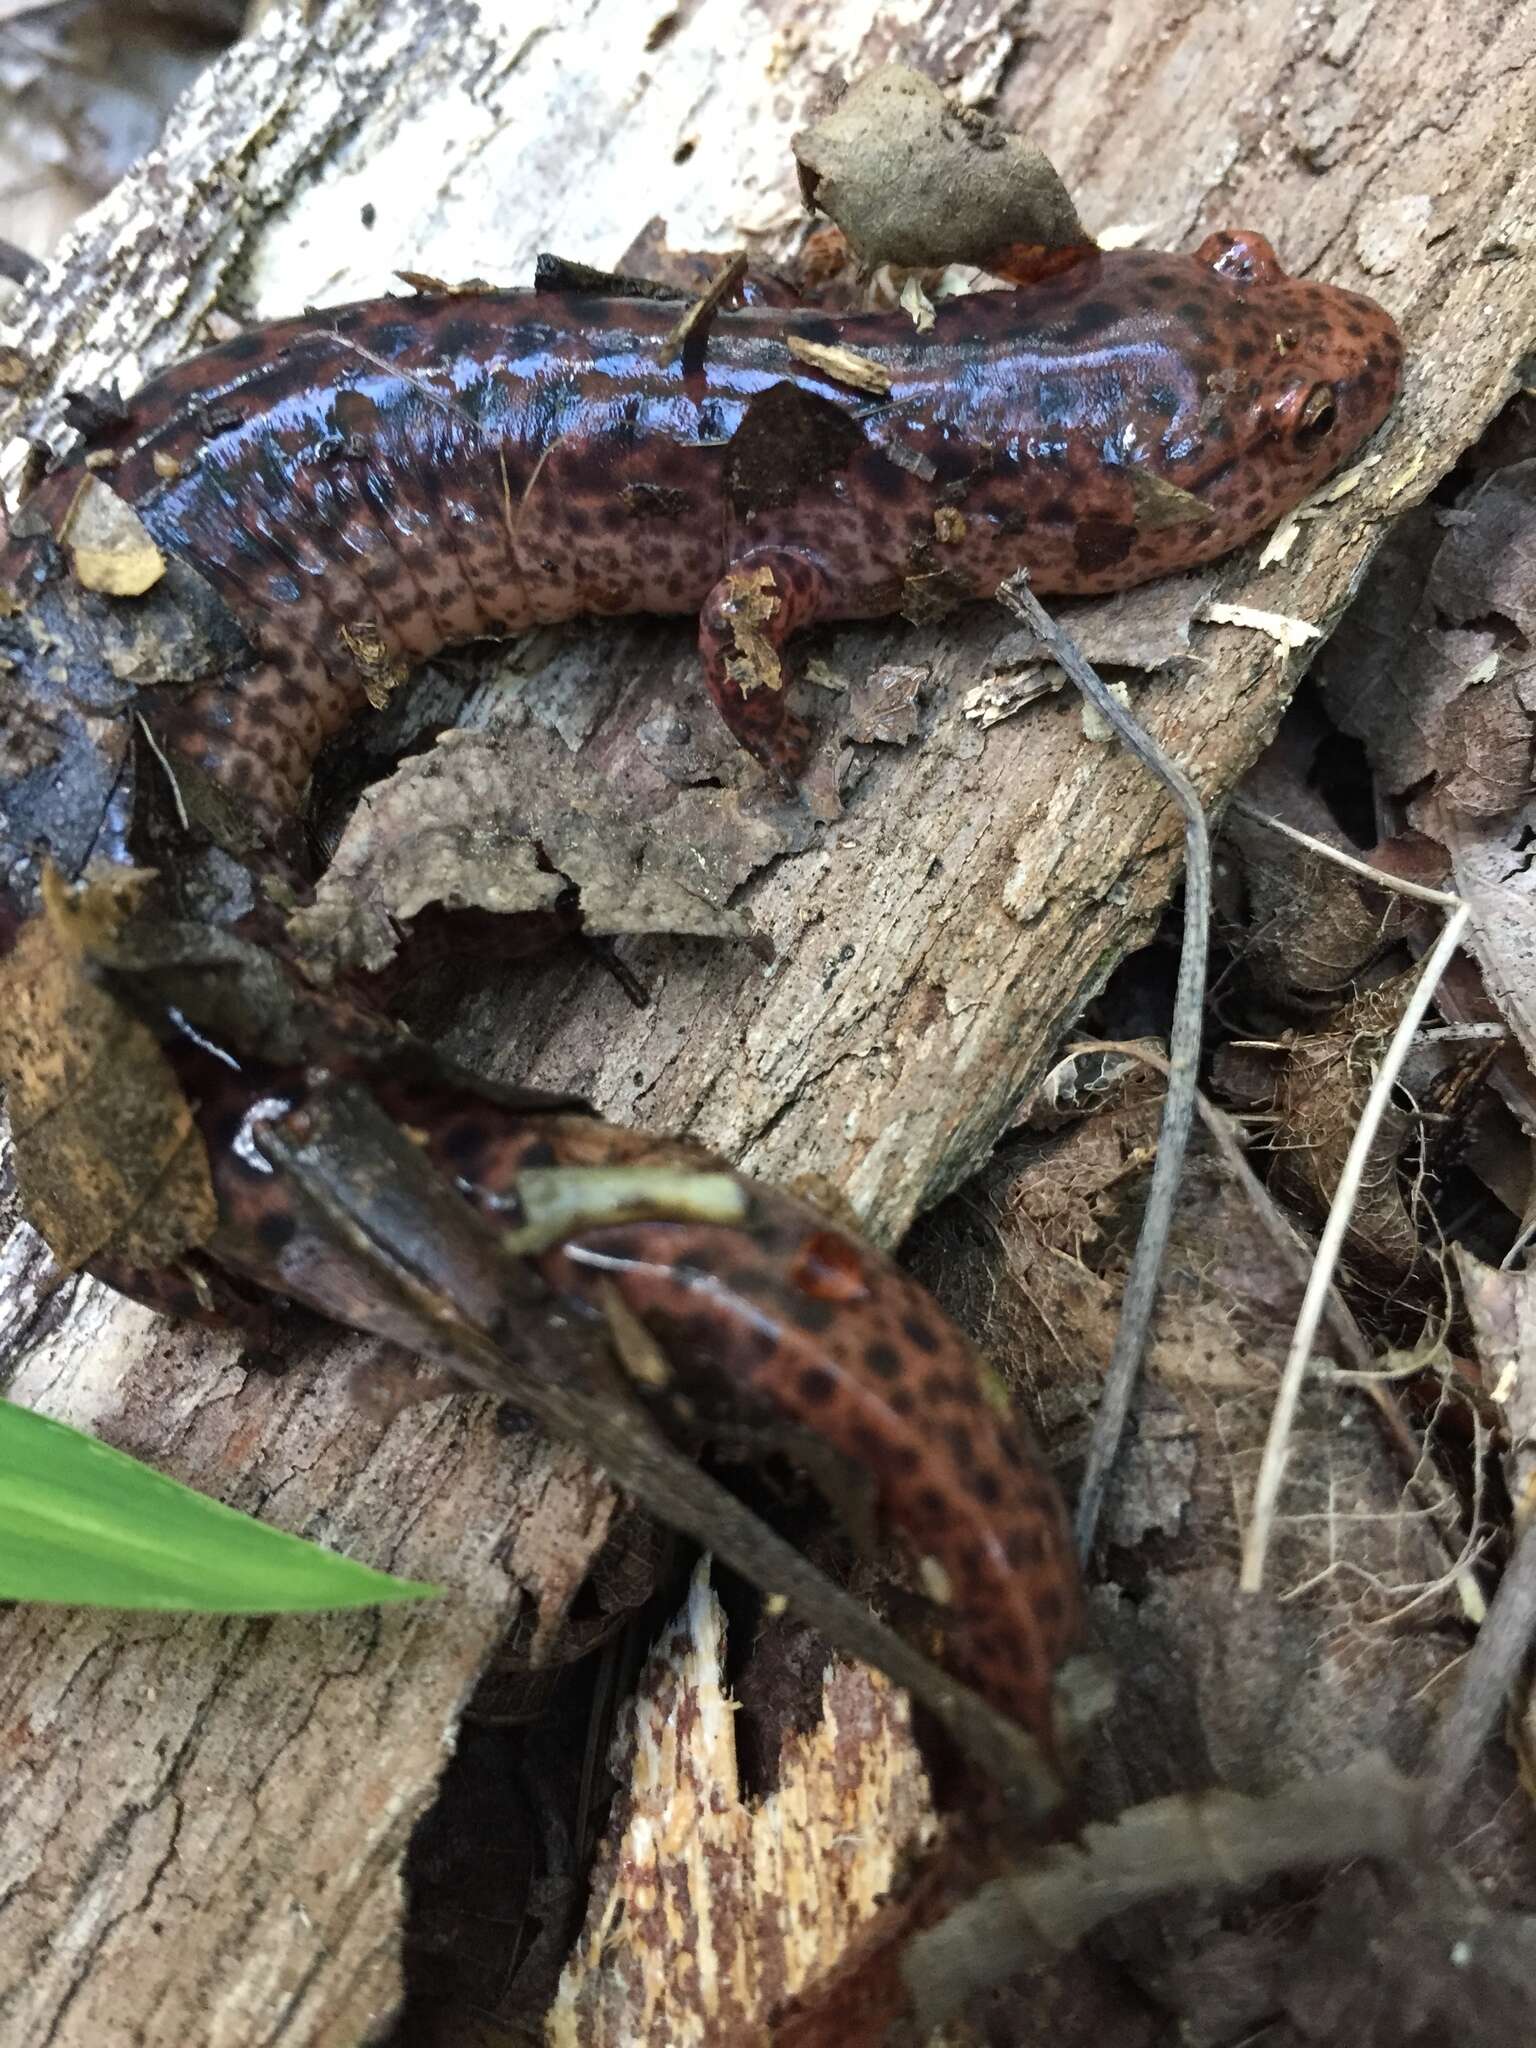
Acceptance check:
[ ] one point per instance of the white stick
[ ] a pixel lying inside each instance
(1272, 1469)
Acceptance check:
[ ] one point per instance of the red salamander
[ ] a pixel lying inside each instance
(364, 486)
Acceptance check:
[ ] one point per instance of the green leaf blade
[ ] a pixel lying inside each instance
(84, 1525)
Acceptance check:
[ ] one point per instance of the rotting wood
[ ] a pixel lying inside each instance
(204, 1820)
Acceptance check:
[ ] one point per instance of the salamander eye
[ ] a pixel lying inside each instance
(1317, 418)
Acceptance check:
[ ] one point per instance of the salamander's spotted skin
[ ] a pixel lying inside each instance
(782, 1319)
(362, 487)
(367, 485)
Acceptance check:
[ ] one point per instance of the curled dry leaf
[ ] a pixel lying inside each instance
(107, 1155)
(911, 180)
(1320, 1092)
(1307, 927)
(710, 1909)
(509, 824)
(1502, 1309)
(1431, 669)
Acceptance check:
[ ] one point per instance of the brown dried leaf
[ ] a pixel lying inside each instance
(1309, 927)
(1432, 666)
(789, 441)
(910, 179)
(1160, 503)
(508, 823)
(1320, 1092)
(1491, 871)
(1502, 1309)
(107, 1155)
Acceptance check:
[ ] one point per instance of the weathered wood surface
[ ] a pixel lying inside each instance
(203, 1821)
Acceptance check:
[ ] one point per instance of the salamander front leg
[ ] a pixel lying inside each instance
(760, 600)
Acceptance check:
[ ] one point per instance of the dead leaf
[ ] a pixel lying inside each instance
(1160, 503)
(107, 1155)
(380, 669)
(789, 441)
(910, 179)
(1308, 927)
(1502, 1309)
(509, 823)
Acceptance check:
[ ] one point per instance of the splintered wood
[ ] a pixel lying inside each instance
(710, 1908)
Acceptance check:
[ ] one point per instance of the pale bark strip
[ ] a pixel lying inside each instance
(203, 1822)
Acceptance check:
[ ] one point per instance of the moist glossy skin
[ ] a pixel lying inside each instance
(782, 1320)
(367, 485)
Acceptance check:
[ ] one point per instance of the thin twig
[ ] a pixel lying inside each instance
(1210, 1840)
(1419, 891)
(1488, 1678)
(1330, 1244)
(1183, 1061)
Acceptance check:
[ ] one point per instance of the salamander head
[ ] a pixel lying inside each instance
(1282, 380)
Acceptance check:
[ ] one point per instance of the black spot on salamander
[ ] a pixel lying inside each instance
(245, 348)
(1057, 512)
(809, 1313)
(392, 337)
(922, 1334)
(902, 1401)
(883, 1360)
(1219, 474)
(958, 1438)
(931, 1506)
(1102, 543)
(1161, 281)
(463, 1142)
(1161, 400)
(462, 336)
(1088, 319)
(817, 329)
(275, 1230)
(539, 1153)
